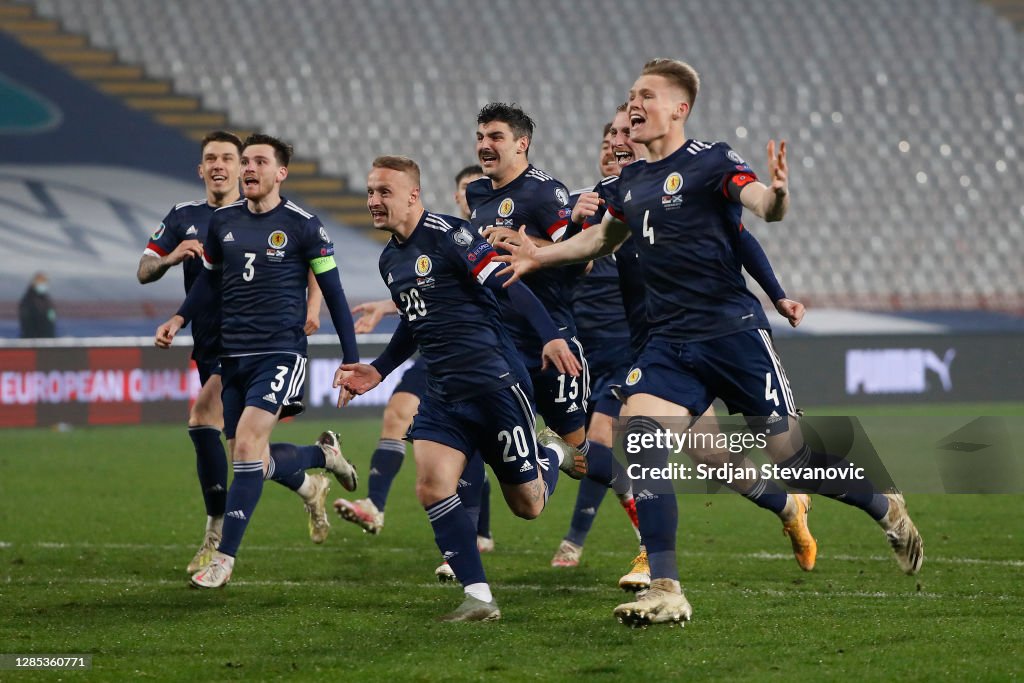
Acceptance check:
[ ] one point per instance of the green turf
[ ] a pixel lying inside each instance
(97, 524)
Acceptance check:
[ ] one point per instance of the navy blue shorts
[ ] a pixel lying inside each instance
(562, 399)
(609, 361)
(742, 369)
(414, 380)
(206, 368)
(266, 381)
(499, 424)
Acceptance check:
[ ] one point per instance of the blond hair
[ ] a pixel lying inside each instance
(678, 73)
(400, 164)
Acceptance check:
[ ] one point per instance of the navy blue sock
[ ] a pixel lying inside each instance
(656, 504)
(242, 498)
(483, 526)
(765, 493)
(547, 460)
(860, 493)
(288, 463)
(384, 466)
(212, 467)
(603, 468)
(455, 536)
(588, 500)
(471, 485)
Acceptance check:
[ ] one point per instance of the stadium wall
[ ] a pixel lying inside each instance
(111, 381)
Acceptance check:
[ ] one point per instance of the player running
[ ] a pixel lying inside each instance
(441, 277)
(515, 193)
(179, 240)
(603, 331)
(474, 488)
(262, 249)
(709, 335)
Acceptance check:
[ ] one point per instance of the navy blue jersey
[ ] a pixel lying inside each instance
(634, 294)
(597, 304)
(434, 278)
(686, 230)
(264, 261)
(190, 221)
(541, 203)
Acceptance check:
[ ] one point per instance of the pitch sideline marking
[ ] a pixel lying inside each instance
(760, 555)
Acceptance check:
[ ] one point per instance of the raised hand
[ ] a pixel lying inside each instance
(521, 258)
(586, 206)
(556, 352)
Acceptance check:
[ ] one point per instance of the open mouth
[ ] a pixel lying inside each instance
(251, 182)
(623, 157)
(378, 215)
(636, 120)
(487, 157)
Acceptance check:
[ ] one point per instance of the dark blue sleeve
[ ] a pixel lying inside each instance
(756, 263)
(525, 303)
(341, 316)
(201, 297)
(166, 238)
(398, 350)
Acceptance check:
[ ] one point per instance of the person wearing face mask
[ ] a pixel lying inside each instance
(36, 314)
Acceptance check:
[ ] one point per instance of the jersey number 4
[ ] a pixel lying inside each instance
(648, 229)
(414, 305)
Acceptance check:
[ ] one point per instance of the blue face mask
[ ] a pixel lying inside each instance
(41, 288)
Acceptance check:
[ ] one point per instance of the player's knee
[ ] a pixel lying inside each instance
(526, 507)
(429, 491)
(527, 510)
(395, 422)
(204, 416)
(600, 430)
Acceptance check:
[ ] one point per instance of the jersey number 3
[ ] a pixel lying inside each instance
(248, 271)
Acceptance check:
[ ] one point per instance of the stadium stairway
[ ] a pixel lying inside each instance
(325, 194)
(1011, 10)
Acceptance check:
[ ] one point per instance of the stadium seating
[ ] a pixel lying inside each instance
(903, 118)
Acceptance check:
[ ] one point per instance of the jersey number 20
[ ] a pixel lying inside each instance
(414, 305)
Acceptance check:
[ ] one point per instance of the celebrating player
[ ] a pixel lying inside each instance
(603, 330)
(179, 240)
(368, 513)
(478, 395)
(263, 248)
(709, 335)
(515, 193)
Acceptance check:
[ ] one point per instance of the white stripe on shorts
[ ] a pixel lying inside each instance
(780, 374)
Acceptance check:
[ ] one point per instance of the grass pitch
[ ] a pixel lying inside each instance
(96, 527)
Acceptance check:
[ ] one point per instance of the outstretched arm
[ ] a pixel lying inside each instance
(355, 379)
(770, 202)
(200, 297)
(593, 243)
